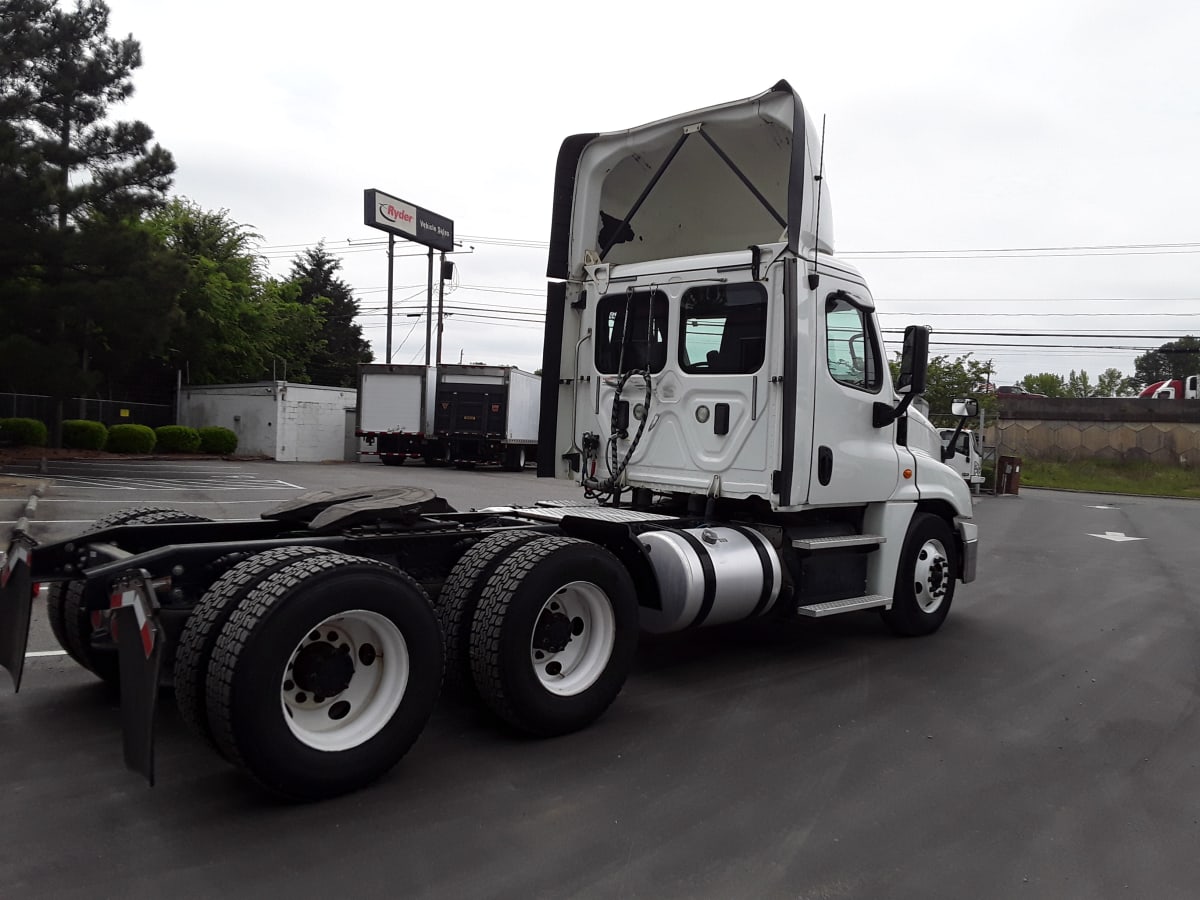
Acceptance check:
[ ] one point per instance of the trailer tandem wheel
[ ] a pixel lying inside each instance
(554, 635)
(514, 458)
(71, 623)
(324, 675)
(924, 578)
(204, 625)
(460, 595)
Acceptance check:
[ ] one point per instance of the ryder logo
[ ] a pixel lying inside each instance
(403, 217)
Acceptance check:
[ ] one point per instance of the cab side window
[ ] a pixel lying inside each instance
(852, 353)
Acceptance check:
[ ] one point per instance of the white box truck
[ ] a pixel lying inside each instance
(486, 414)
(394, 411)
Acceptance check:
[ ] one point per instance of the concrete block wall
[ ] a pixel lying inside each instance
(312, 425)
(1129, 429)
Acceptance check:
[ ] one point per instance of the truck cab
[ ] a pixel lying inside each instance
(964, 454)
(713, 356)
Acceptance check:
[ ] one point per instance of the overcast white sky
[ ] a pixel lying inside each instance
(950, 127)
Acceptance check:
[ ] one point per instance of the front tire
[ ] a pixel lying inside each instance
(554, 635)
(324, 675)
(925, 579)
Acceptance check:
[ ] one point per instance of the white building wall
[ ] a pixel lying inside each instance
(251, 411)
(312, 425)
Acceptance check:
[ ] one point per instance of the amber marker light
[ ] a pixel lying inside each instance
(908, 473)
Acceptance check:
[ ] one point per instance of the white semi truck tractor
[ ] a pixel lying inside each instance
(716, 383)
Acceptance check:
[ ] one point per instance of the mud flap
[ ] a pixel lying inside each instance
(16, 601)
(141, 641)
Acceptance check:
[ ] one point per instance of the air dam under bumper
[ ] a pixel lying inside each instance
(968, 538)
(709, 576)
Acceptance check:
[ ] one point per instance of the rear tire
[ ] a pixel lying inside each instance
(72, 624)
(144, 515)
(72, 627)
(204, 625)
(460, 595)
(554, 635)
(925, 579)
(514, 459)
(324, 675)
(392, 460)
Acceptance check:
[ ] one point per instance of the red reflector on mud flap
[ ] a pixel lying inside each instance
(127, 596)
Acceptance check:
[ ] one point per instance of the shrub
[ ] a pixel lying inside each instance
(24, 432)
(218, 440)
(84, 434)
(177, 439)
(131, 439)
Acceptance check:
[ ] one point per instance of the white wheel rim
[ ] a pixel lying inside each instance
(573, 637)
(370, 692)
(931, 576)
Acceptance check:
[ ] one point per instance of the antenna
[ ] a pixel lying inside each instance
(813, 278)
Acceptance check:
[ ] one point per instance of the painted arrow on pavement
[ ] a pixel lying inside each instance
(1118, 536)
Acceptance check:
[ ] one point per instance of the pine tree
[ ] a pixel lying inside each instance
(80, 274)
(336, 363)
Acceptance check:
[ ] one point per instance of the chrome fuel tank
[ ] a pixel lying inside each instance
(709, 576)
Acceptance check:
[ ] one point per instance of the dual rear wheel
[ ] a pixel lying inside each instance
(311, 670)
(542, 628)
(84, 634)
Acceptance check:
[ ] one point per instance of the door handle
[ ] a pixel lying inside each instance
(824, 465)
(721, 419)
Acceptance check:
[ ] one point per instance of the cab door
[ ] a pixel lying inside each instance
(852, 461)
(711, 423)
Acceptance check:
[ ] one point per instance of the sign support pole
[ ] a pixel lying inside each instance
(441, 292)
(391, 249)
(429, 312)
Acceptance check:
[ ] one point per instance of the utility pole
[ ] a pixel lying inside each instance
(441, 294)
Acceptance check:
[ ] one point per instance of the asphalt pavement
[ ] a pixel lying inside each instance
(1042, 744)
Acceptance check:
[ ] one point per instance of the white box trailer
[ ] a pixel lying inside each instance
(486, 414)
(395, 410)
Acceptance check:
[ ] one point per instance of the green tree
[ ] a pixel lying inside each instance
(950, 379)
(343, 346)
(1114, 383)
(236, 323)
(1174, 359)
(81, 279)
(1045, 383)
(1079, 385)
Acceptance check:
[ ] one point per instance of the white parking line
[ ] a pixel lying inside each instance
(244, 483)
(44, 500)
(33, 654)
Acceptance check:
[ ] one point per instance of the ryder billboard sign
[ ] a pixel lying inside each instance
(402, 218)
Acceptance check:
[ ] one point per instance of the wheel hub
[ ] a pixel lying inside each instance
(323, 669)
(553, 632)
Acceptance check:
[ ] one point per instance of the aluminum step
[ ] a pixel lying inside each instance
(839, 541)
(850, 604)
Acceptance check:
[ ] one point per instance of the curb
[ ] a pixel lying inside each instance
(22, 524)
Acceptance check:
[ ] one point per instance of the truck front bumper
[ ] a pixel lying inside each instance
(968, 540)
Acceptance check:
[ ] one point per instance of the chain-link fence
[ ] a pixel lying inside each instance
(110, 412)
